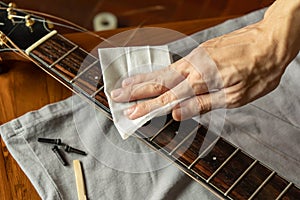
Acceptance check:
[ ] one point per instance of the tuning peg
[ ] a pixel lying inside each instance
(49, 24)
(29, 22)
(11, 12)
(12, 5)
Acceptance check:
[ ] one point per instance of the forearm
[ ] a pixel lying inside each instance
(282, 21)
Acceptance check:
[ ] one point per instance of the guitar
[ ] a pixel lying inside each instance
(222, 167)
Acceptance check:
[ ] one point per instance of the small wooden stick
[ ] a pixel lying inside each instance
(79, 180)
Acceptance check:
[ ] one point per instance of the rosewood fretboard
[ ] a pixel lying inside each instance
(221, 166)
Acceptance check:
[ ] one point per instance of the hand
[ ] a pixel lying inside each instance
(225, 72)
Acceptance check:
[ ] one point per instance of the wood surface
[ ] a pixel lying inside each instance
(25, 88)
(135, 13)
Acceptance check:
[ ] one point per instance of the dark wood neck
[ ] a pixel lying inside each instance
(224, 168)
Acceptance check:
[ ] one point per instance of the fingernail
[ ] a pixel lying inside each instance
(181, 113)
(116, 93)
(129, 111)
(127, 81)
(176, 114)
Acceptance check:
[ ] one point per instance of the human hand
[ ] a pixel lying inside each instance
(225, 72)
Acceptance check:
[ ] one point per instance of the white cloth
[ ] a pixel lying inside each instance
(121, 62)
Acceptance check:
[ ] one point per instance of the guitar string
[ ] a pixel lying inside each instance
(73, 26)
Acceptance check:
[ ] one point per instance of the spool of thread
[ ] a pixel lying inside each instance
(105, 21)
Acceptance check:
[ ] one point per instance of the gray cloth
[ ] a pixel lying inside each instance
(267, 128)
(103, 180)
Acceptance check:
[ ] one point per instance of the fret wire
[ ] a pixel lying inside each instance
(167, 124)
(67, 40)
(64, 56)
(240, 178)
(39, 59)
(83, 71)
(60, 74)
(52, 69)
(63, 78)
(203, 153)
(80, 90)
(221, 166)
(262, 185)
(95, 93)
(185, 139)
(284, 191)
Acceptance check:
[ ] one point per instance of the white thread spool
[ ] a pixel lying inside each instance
(105, 21)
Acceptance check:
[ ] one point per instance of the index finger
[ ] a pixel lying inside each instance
(181, 91)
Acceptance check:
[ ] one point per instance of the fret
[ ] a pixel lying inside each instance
(284, 191)
(90, 88)
(174, 133)
(222, 165)
(97, 91)
(72, 63)
(65, 40)
(262, 185)
(203, 153)
(212, 158)
(72, 43)
(81, 90)
(231, 171)
(75, 63)
(250, 182)
(63, 56)
(293, 193)
(83, 71)
(190, 149)
(160, 130)
(52, 49)
(273, 188)
(154, 126)
(91, 80)
(101, 100)
(185, 139)
(240, 178)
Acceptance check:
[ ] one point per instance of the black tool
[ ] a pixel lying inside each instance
(50, 141)
(73, 150)
(58, 154)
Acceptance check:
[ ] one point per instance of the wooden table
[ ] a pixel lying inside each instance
(20, 93)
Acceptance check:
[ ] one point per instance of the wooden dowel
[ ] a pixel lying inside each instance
(79, 180)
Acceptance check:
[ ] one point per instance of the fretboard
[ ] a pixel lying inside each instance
(209, 159)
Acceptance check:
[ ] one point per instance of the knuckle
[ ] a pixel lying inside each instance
(165, 98)
(235, 99)
(203, 104)
(158, 88)
(196, 76)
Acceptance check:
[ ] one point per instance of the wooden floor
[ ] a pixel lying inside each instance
(25, 87)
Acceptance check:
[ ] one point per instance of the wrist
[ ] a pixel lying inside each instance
(281, 24)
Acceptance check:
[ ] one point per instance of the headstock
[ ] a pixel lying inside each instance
(22, 28)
